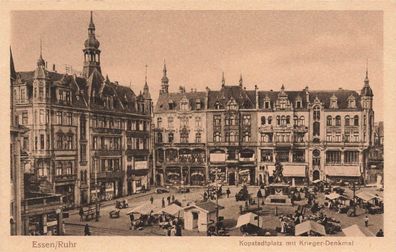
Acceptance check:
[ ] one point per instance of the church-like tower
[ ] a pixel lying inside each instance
(91, 51)
(164, 82)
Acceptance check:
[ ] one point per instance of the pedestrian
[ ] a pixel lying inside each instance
(86, 230)
(228, 192)
(81, 213)
(178, 229)
(163, 202)
(173, 198)
(151, 199)
(131, 218)
(380, 233)
(366, 220)
(276, 210)
(168, 199)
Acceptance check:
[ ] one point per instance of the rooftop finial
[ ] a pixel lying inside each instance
(222, 79)
(145, 77)
(367, 69)
(240, 80)
(41, 48)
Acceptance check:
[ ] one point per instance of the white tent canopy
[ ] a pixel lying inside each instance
(366, 196)
(353, 231)
(334, 195)
(248, 218)
(145, 209)
(173, 210)
(308, 226)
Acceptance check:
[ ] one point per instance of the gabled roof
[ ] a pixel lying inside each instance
(244, 98)
(206, 206)
(192, 97)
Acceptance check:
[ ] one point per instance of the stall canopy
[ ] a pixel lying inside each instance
(173, 210)
(308, 226)
(342, 171)
(294, 171)
(366, 196)
(334, 195)
(353, 230)
(145, 209)
(247, 218)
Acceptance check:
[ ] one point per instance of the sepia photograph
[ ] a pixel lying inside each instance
(197, 123)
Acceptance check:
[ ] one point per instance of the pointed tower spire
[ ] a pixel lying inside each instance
(366, 90)
(12, 67)
(164, 81)
(222, 79)
(240, 80)
(40, 61)
(91, 50)
(366, 80)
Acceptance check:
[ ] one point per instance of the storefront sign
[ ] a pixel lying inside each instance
(217, 157)
(141, 165)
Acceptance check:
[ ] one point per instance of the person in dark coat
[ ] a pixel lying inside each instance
(163, 202)
(81, 213)
(173, 198)
(380, 233)
(151, 199)
(86, 230)
(228, 192)
(168, 199)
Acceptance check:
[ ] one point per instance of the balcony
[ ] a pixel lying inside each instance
(300, 129)
(42, 203)
(266, 128)
(108, 174)
(65, 178)
(106, 152)
(107, 130)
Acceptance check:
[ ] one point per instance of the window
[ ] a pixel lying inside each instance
(170, 122)
(356, 120)
(233, 136)
(217, 120)
(184, 136)
(61, 95)
(302, 120)
(58, 169)
(25, 118)
(351, 157)
(246, 119)
(197, 104)
(184, 105)
(59, 117)
(42, 141)
(347, 122)
(295, 120)
(159, 137)
(266, 138)
(69, 168)
(269, 120)
(68, 97)
(69, 142)
(329, 120)
(42, 117)
(299, 156)
(267, 105)
(23, 95)
(278, 121)
(217, 105)
(68, 118)
(333, 157)
(246, 136)
(170, 137)
(351, 102)
(287, 120)
(266, 155)
(316, 129)
(364, 120)
(41, 93)
(183, 122)
(83, 152)
(299, 104)
(216, 136)
(171, 105)
(198, 122)
(282, 156)
(316, 113)
(283, 120)
(159, 122)
(338, 120)
(197, 137)
(262, 120)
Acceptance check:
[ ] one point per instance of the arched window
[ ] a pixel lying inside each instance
(283, 120)
(338, 120)
(159, 137)
(269, 120)
(278, 120)
(302, 120)
(329, 120)
(295, 120)
(287, 119)
(316, 113)
(347, 123)
(262, 120)
(159, 122)
(316, 129)
(170, 137)
(356, 120)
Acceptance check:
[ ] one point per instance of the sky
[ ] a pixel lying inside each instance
(323, 50)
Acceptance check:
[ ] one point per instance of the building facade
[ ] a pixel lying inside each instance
(314, 134)
(89, 137)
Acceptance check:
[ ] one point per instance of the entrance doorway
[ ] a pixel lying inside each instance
(231, 178)
(195, 220)
(316, 175)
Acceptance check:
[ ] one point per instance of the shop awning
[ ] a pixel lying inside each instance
(145, 209)
(333, 196)
(142, 172)
(294, 171)
(353, 231)
(342, 171)
(366, 196)
(308, 226)
(248, 218)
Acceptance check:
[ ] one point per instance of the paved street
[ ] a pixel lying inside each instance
(120, 226)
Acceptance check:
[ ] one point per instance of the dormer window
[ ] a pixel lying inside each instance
(333, 102)
(171, 105)
(184, 104)
(267, 104)
(217, 105)
(298, 102)
(351, 102)
(231, 105)
(197, 104)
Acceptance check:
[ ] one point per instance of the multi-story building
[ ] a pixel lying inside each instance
(314, 134)
(180, 136)
(89, 137)
(375, 167)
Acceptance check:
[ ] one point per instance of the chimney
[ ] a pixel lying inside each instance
(116, 82)
(53, 68)
(306, 94)
(46, 64)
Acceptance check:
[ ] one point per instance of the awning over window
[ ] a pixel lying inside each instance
(342, 171)
(289, 170)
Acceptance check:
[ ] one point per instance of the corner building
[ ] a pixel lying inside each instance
(315, 134)
(89, 137)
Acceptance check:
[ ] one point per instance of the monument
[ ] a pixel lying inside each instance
(278, 189)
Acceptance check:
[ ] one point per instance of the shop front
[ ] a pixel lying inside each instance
(218, 173)
(197, 175)
(67, 190)
(246, 174)
(139, 180)
(106, 190)
(173, 175)
(343, 173)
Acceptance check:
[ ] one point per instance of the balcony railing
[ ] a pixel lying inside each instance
(107, 130)
(108, 174)
(66, 178)
(42, 201)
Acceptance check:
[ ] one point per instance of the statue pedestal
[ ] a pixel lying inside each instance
(278, 195)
